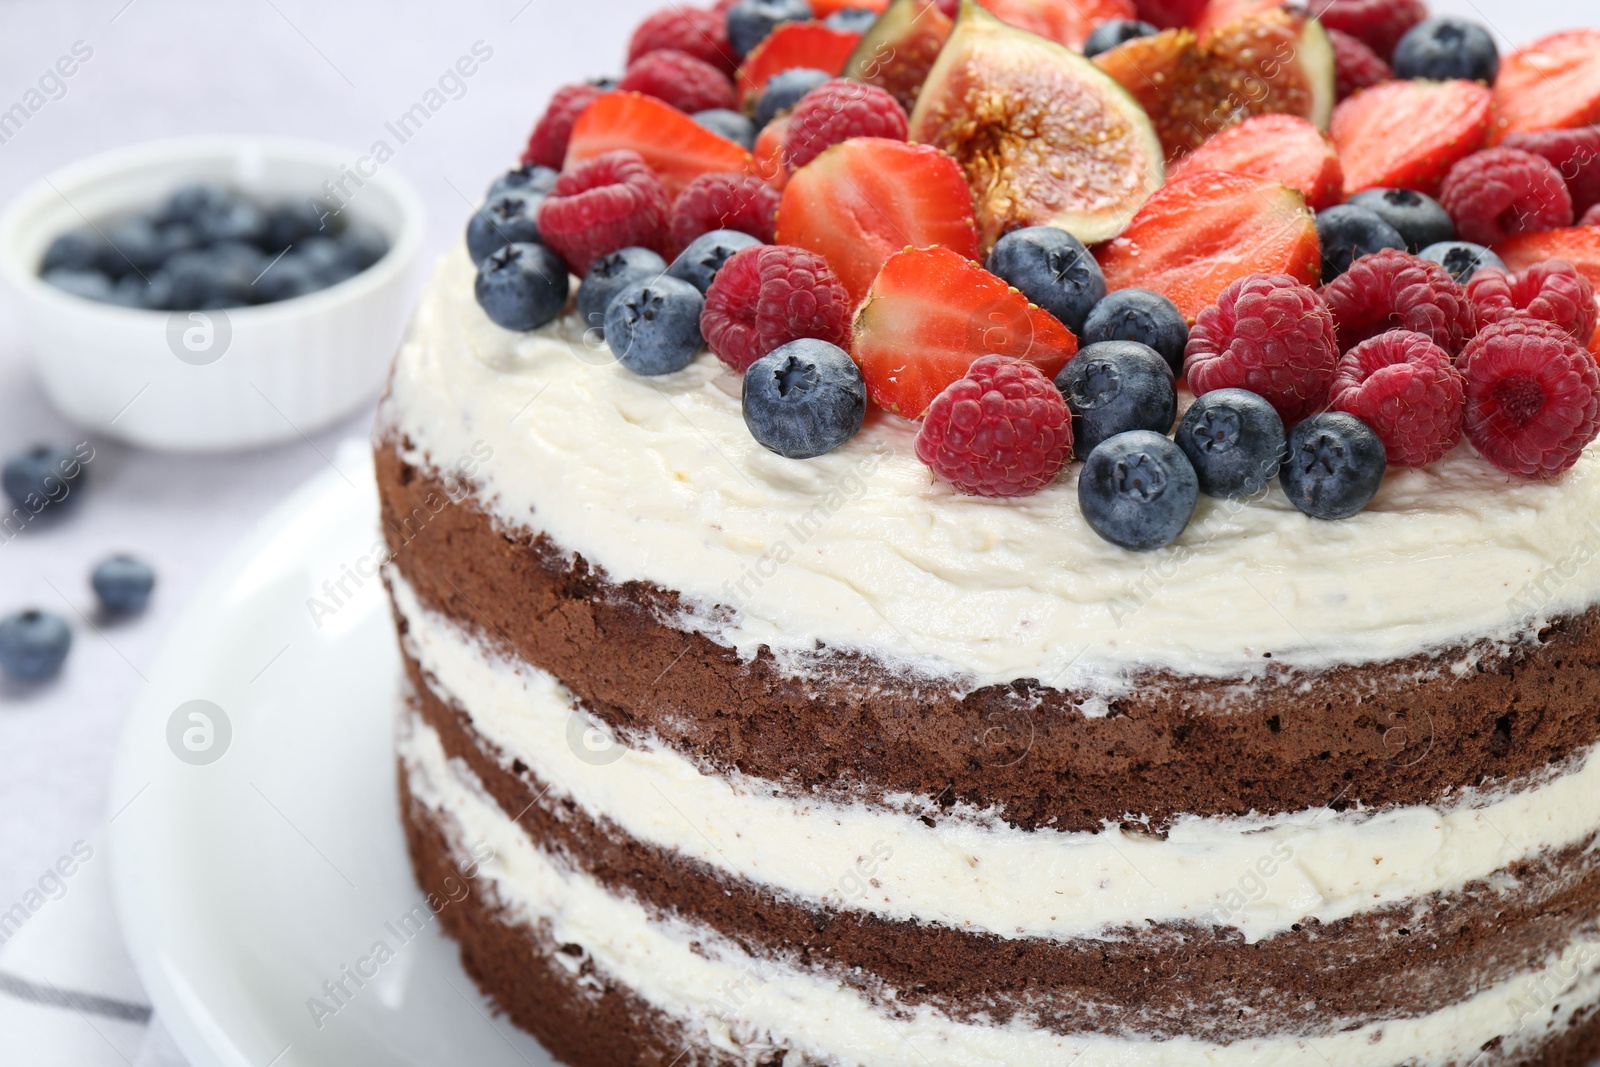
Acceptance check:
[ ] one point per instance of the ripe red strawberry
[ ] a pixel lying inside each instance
(1270, 334)
(697, 31)
(771, 164)
(679, 79)
(794, 44)
(676, 147)
(739, 202)
(1575, 153)
(1001, 430)
(838, 111)
(1197, 235)
(1501, 192)
(1220, 13)
(1170, 14)
(1553, 291)
(931, 313)
(1551, 84)
(1408, 134)
(1405, 388)
(1355, 66)
(609, 202)
(547, 145)
(1068, 21)
(1284, 148)
(864, 200)
(1579, 246)
(1533, 397)
(821, 9)
(768, 295)
(1378, 23)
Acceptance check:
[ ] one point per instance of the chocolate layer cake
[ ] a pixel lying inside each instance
(822, 762)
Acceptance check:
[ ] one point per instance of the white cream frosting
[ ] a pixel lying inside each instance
(658, 479)
(749, 1006)
(973, 871)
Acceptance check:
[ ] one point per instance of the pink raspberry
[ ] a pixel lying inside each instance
(768, 295)
(609, 202)
(1378, 23)
(701, 33)
(740, 202)
(1355, 65)
(547, 145)
(1533, 397)
(1271, 335)
(1403, 386)
(687, 83)
(1393, 290)
(836, 111)
(1574, 153)
(1003, 430)
(1501, 192)
(1553, 291)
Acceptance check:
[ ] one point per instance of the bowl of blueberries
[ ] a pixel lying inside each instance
(213, 293)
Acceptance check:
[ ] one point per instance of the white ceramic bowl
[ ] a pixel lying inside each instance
(202, 381)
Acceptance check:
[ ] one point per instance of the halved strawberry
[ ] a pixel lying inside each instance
(1219, 13)
(677, 148)
(1069, 22)
(771, 162)
(861, 201)
(1551, 84)
(1579, 245)
(1408, 134)
(1284, 148)
(1201, 233)
(823, 8)
(930, 313)
(793, 44)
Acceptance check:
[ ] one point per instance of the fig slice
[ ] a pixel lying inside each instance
(900, 49)
(1042, 134)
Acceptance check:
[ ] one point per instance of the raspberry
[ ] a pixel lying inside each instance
(1271, 335)
(703, 34)
(1501, 192)
(1379, 24)
(609, 202)
(724, 202)
(1575, 153)
(1393, 290)
(681, 80)
(1403, 386)
(1003, 430)
(547, 145)
(1533, 397)
(1355, 65)
(769, 295)
(836, 111)
(1553, 291)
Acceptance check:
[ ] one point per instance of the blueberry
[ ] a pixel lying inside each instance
(1116, 386)
(1419, 220)
(784, 90)
(361, 247)
(1462, 259)
(1443, 48)
(730, 124)
(852, 19)
(1143, 316)
(609, 275)
(177, 237)
(804, 399)
(653, 327)
(202, 278)
(132, 291)
(1347, 233)
(522, 286)
(190, 202)
(77, 250)
(134, 246)
(1234, 440)
(510, 218)
(1335, 466)
(122, 584)
(324, 256)
(290, 223)
(1051, 268)
(43, 476)
(706, 254)
(750, 21)
(232, 219)
(529, 178)
(89, 284)
(1138, 491)
(33, 645)
(1113, 32)
(289, 277)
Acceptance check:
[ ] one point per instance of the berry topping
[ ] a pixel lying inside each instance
(1444, 48)
(1462, 259)
(1355, 65)
(750, 21)
(1335, 466)
(702, 34)
(1501, 192)
(1380, 24)
(1348, 232)
(1116, 386)
(609, 202)
(794, 46)
(1001, 430)
(766, 296)
(1550, 84)
(547, 145)
(1053, 270)
(675, 146)
(1394, 290)
(40, 477)
(609, 275)
(785, 89)
(730, 124)
(1143, 316)
(1268, 334)
(1284, 148)
(522, 287)
(1553, 291)
(33, 645)
(930, 313)
(724, 202)
(511, 217)
(707, 255)
(122, 584)
(1420, 220)
(1405, 389)
(1575, 153)
(804, 399)
(1407, 135)
(687, 83)
(1138, 491)
(653, 327)
(1113, 32)
(1533, 397)
(839, 110)
(1234, 440)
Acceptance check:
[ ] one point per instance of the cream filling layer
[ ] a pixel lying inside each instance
(658, 479)
(748, 1006)
(973, 871)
